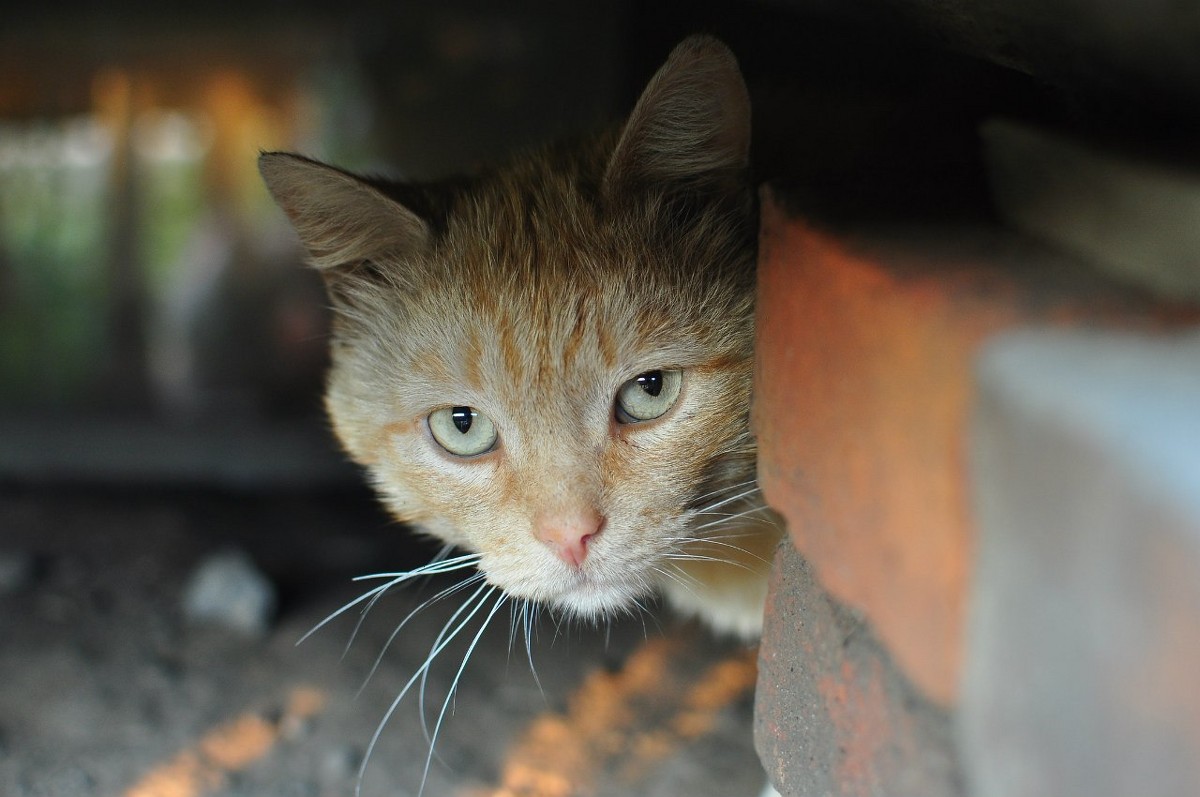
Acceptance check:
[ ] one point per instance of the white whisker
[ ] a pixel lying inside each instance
(725, 489)
(369, 594)
(445, 593)
(682, 557)
(430, 568)
(731, 499)
(375, 593)
(700, 542)
(734, 516)
(425, 676)
(529, 612)
(737, 535)
(454, 685)
(678, 576)
(445, 639)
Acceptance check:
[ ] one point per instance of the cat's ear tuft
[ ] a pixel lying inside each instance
(340, 218)
(691, 124)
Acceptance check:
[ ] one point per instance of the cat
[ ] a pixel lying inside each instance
(548, 365)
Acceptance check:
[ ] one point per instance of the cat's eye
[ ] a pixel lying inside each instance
(463, 431)
(648, 395)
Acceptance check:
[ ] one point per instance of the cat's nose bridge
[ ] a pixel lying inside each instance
(569, 533)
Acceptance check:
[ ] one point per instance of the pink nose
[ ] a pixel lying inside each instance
(568, 534)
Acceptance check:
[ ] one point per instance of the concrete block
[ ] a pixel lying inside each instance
(1138, 219)
(833, 715)
(1082, 673)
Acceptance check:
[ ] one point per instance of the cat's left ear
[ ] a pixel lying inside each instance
(340, 218)
(691, 124)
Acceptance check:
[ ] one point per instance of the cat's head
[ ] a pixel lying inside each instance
(549, 364)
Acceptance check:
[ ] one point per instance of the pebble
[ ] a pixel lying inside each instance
(338, 766)
(16, 571)
(228, 590)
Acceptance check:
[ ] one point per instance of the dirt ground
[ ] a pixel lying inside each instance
(107, 689)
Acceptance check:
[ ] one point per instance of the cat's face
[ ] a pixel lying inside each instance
(550, 366)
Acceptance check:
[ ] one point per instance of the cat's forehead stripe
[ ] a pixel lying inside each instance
(473, 359)
(510, 350)
(607, 345)
(431, 366)
(574, 337)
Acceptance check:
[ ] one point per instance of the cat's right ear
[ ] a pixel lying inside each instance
(340, 219)
(691, 125)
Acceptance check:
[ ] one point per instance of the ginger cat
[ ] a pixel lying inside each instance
(549, 365)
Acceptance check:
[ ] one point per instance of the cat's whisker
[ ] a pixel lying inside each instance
(732, 517)
(529, 612)
(713, 559)
(362, 615)
(736, 533)
(478, 598)
(730, 540)
(745, 521)
(442, 553)
(433, 567)
(700, 542)
(729, 500)
(724, 489)
(724, 516)
(684, 580)
(643, 611)
(692, 539)
(513, 608)
(425, 678)
(394, 579)
(445, 593)
(370, 594)
(454, 684)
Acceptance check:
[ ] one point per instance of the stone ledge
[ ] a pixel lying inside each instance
(1084, 634)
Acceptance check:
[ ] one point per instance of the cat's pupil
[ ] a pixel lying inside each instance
(651, 382)
(462, 417)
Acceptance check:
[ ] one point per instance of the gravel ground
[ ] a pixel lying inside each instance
(110, 687)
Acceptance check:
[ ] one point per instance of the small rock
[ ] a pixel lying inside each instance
(229, 590)
(338, 765)
(16, 571)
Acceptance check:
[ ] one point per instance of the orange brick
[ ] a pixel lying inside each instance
(862, 395)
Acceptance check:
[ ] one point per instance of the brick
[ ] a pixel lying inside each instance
(862, 395)
(833, 716)
(1083, 659)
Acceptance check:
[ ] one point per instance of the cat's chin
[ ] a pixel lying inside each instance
(589, 598)
(597, 603)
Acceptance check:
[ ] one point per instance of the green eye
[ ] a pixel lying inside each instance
(463, 431)
(648, 395)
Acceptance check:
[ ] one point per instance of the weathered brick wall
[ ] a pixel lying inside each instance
(988, 588)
